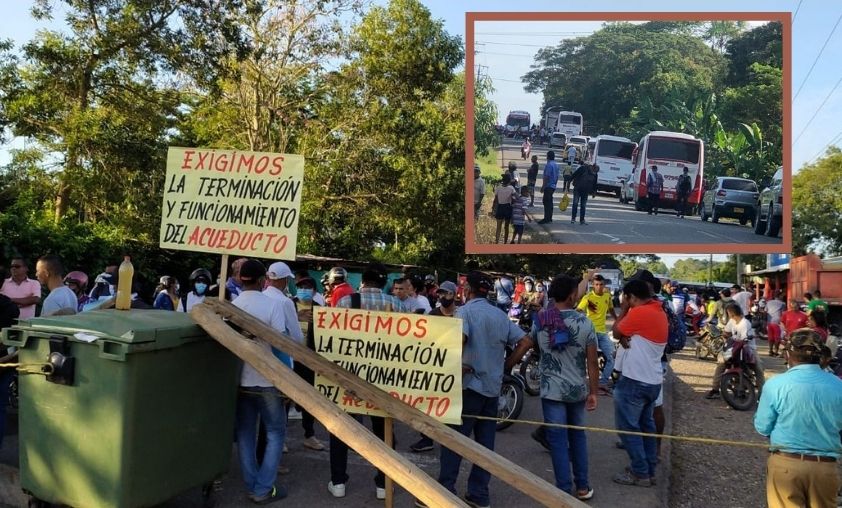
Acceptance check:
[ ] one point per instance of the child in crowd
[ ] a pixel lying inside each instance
(519, 213)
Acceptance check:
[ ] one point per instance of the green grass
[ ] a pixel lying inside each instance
(490, 164)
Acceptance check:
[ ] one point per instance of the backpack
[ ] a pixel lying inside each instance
(677, 337)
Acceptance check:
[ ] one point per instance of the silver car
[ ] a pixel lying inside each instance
(731, 197)
(770, 206)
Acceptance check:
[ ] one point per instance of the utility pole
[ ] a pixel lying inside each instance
(710, 269)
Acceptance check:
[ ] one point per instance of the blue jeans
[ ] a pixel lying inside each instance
(267, 404)
(5, 380)
(567, 445)
(484, 432)
(607, 348)
(634, 403)
(579, 198)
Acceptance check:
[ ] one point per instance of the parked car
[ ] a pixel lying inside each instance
(581, 144)
(770, 206)
(730, 197)
(558, 140)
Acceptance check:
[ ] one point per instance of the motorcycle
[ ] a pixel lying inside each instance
(710, 342)
(524, 152)
(738, 386)
(510, 402)
(531, 375)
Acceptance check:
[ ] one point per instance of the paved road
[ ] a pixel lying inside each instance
(309, 473)
(611, 222)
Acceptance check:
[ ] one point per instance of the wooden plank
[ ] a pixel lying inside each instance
(501, 467)
(335, 420)
(223, 277)
(389, 439)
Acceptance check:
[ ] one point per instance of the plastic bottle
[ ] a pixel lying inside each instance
(124, 285)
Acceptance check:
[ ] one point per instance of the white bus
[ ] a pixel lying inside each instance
(570, 123)
(613, 155)
(517, 122)
(669, 151)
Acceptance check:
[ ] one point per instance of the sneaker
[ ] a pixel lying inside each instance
(313, 444)
(604, 390)
(713, 394)
(420, 504)
(474, 504)
(276, 494)
(573, 221)
(286, 449)
(628, 478)
(336, 490)
(380, 492)
(294, 414)
(583, 223)
(584, 494)
(422, 445)
(540, 436)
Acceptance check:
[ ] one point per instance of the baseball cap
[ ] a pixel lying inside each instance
(251, 270)
(480, 282)
(278, 270)
(646, 276)
(674, 284)
(447, 286)
(806, 340)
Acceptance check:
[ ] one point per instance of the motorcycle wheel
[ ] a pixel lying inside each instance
(738, 391)
(531, 376)
(510, 403)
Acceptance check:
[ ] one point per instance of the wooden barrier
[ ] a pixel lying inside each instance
(335, 420)
(504, 469)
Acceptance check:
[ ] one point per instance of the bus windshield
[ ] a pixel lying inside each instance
(683, 150)
(616, 149)
(517, 121)
(574, 119)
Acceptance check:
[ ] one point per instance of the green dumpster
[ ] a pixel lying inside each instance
(139, 407)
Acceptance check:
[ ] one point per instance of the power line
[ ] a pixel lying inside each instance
(539, 34)
(513, 44)
(817, 111)
(818, 154)
(504, 79)
(817, 57)
(796, 11)
(505, 54)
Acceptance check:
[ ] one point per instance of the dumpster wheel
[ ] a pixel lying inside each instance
(209, 494)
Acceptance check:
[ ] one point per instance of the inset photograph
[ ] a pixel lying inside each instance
(611, 133)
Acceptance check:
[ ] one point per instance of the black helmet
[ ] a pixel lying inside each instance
(200, 272)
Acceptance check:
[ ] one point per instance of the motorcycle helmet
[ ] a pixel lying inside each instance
(200, 273)
(80, 279)
(337, 274)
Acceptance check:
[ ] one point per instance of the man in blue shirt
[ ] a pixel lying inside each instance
(550, 181)
(486, 333)
(801, 413)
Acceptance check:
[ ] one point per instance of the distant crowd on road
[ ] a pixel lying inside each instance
(564, 318)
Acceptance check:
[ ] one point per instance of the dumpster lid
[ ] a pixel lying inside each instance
(134, 326)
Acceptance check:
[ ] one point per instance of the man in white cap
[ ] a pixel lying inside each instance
(277, 279)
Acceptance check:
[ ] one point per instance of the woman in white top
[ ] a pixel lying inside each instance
(738, 328)
(503, 197)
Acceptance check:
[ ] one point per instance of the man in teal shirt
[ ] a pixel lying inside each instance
(801, 413)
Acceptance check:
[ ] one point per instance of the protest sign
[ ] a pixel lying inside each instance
(414, 357)
(232, 202)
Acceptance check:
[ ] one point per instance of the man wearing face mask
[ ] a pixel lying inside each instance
(305, 289)
(199, 283)
(446, 293)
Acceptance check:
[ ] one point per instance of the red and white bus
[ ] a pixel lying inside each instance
(670, 151)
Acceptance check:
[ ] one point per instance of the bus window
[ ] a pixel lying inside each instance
(616, 149)
(674, 149)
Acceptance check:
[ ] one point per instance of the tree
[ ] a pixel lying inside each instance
(719, 33)
(632, 263)
(817, 206)
(762, 45)
(94, 97)
(626, 66)
(387, 175)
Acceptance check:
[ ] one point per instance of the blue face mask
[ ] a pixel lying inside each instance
(304, 294)
(201, 287)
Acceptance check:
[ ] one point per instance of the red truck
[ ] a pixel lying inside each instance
(810, 273)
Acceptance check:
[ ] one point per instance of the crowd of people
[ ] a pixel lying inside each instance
(567, 324)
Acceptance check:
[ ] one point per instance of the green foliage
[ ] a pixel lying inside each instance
(632, 263)
(817, 206)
